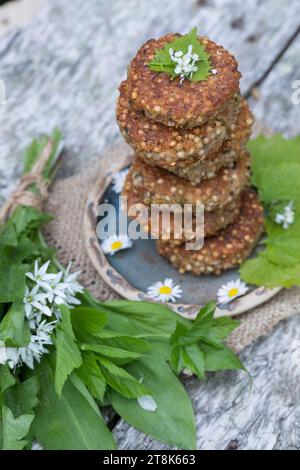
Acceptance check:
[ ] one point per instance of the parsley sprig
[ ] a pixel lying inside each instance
(185, 57)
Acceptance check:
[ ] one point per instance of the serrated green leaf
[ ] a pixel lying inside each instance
(111, 352)
(68, 422)
(14, 429)
(7, 380)
(162, 61)
(276, 173)
(12, 286)
(87, 321)
(14, 329)
(68, 356)
(90, 374)
(121, 381)
(220, 359)
(22, 398)
(173, 421)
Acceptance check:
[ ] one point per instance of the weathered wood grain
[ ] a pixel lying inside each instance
(232, 414)
(279, 103)
(64, 69)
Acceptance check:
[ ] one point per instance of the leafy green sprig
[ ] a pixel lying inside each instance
(185, 57)
(276, 174)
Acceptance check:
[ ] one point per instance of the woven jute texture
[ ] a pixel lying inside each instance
(67, 204)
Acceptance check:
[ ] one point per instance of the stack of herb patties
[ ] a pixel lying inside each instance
(181, 111)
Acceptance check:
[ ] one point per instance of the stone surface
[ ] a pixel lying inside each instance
(63, 70)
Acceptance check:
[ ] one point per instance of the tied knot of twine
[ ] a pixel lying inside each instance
(23, 195)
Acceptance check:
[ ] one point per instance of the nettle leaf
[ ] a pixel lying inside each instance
(68, 356)
(220, 359)
(87, 321)
(14, 429)
(276, 174)
(121, 381)
(71, 421)
(7, 380)
(14, 328)
(173, 421)
(162, 61)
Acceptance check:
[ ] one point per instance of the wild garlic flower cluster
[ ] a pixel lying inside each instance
(185, 63)
(41, 304)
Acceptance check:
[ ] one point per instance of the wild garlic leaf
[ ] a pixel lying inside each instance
(12, 285)
(14, 329)
(7, 380)
(90, 374)
(14, 429)
(68, 356)
(22, 398)
(204, 333)
(119, 356)
(162, 61)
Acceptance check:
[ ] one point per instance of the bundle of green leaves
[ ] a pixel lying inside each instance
(64, 358)
(185, 57)
(276, 175)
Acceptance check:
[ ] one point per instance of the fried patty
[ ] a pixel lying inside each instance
(187, 104)
(156, 186)
(168, 147)
(229, 248)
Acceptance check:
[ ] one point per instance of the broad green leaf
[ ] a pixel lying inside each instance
(90, 374)
(219, 359)
(173, 421)
(12, 286)
(114, 353)
(14, 429)
(68, 422)
(7, 380)
(121, 381)
(162, 61)
(193, 359)
(68, 356)
(14, 329)
(87, 321)
(262, 272)
(23, 397)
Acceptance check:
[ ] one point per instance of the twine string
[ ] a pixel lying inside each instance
(23, 196)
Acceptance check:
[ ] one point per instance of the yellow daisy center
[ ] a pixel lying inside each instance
(165, 290)
(116, 245)
(233, 292)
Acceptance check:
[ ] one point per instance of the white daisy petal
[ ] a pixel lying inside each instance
(165, 291)
(231, 291)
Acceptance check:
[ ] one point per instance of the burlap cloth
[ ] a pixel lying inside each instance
(65, 233)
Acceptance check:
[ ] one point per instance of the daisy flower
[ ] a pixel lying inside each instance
(231, 290)
(116, 243)
(118, 181)
(166, 291)
(287, 217)
(40, 274)
(35, 300)
(147, 403)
